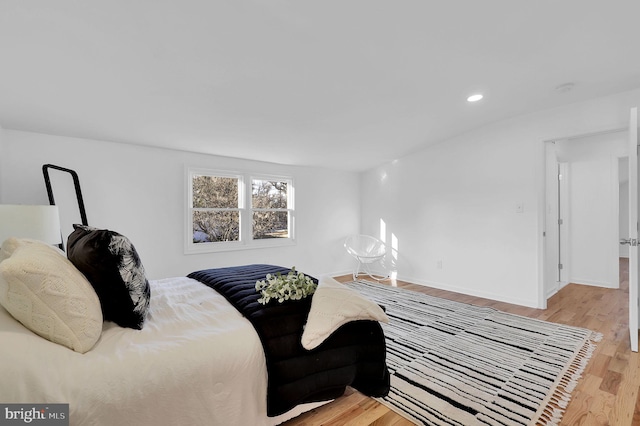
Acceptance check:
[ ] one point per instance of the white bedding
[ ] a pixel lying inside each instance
(197, 361)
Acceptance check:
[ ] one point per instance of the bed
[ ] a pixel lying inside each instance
(195, 360)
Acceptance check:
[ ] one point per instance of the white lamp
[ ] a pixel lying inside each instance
(27, 221)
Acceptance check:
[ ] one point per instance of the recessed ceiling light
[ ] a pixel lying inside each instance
(474, 98)
(566, 87)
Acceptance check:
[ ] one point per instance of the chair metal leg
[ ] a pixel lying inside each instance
(363, 269)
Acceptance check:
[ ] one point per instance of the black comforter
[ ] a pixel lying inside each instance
(354, 355)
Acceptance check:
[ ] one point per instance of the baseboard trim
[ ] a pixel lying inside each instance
(468, 292)
(559, 285)
(337, 274)
(593, 283)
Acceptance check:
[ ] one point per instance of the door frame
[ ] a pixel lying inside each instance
(555, 235)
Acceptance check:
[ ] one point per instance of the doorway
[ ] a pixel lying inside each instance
(583, 205)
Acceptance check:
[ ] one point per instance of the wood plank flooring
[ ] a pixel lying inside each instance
(607, 394)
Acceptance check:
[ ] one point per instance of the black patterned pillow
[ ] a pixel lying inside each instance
(112, 266)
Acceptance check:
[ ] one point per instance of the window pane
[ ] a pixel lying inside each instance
(209, 227)
(270, 225)
(215, 192)
(268, 194)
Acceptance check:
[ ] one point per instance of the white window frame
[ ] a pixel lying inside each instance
(245, 207)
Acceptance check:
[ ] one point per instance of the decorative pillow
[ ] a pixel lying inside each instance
(333, 305)
(112, 266)
(40, 288)
(10, 245)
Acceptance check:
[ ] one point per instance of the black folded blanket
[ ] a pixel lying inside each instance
(354, 355)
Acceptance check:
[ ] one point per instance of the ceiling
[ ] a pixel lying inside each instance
(346, 84)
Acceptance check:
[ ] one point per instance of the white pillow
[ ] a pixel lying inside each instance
(333, 305)
(42, 289)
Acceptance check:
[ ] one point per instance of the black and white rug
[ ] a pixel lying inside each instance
(458, 364)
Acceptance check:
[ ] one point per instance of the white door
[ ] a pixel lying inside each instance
(633, 229)
(563, 228)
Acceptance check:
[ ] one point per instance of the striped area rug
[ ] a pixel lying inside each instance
(458, 364)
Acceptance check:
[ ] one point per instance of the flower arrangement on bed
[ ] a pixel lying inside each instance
(90, 330)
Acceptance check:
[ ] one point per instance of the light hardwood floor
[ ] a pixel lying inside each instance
(607, 394)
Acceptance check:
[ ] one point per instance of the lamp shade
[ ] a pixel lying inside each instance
(27, 221)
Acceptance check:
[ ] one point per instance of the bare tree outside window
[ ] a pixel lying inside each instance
(269, 204)
(216, 213)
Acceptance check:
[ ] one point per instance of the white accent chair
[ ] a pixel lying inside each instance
(368, 251)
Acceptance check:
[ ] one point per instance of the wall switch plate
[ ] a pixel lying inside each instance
(520, 208)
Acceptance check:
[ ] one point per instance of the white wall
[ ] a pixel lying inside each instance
(624, 218)
(456, 202)
(140, 192)
(593, 206)
(1, 157)
(623, 168)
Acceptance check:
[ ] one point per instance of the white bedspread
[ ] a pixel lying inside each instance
(197, 361)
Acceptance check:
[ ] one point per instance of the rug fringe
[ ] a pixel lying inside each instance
(554, 406)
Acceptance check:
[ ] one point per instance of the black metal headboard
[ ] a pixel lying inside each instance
(76, 184)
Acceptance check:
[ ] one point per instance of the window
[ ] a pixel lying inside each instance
(269, 208)
(227, 211)
(216, 208)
